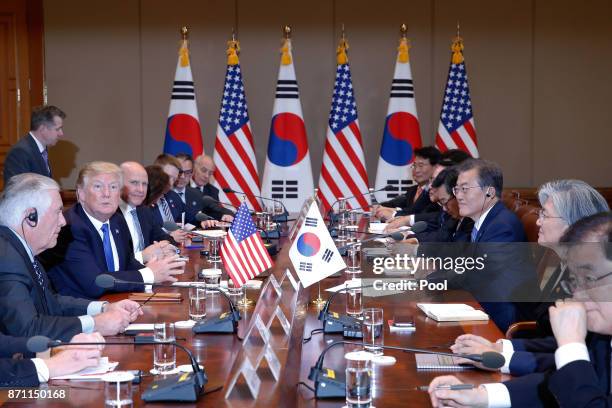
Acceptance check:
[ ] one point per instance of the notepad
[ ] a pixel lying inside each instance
(440, 363)
(452, 312)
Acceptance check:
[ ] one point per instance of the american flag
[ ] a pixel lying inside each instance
(234, 156)
(456, 129)
(343, 172)
(243, 252)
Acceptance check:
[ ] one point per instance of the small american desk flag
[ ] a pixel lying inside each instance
(243, 252)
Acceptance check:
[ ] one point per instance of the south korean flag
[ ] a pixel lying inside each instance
(313, 253)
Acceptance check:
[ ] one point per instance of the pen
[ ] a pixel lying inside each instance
(454, 387)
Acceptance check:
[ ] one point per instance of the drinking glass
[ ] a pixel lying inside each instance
(164, 355)
(372, 330)
(353, 258)
(354, 302)
(118, 389)
(197, 302)
(358, 379)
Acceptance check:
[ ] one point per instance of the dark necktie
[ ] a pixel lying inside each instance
(108, 249)
(181, 194)
(45, 156)
(136, 222)
(39, 273)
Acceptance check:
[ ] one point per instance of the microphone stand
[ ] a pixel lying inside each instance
(185, 387)
(331, 384)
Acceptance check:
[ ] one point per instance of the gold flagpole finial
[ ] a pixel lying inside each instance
(185, 33)
(343, 46)
(233, 49)
(404, 45)
(285, 47)
(184, 48)
(457, 48)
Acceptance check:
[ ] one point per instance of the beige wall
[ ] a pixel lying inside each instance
(539, 74)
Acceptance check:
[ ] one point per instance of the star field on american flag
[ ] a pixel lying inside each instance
(344, 108)
(457, 106)
(243, 225)
(234, 112)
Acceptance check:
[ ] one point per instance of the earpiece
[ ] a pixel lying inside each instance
(33, 218)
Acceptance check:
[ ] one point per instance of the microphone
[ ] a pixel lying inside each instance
(331, 208)
(178, 387)
(331, 384)
(171, 226)
(336, 323)
(203, 217)
(397, 236)
(224, 323)
(285, 212)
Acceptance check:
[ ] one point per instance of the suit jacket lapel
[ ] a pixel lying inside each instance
(98, 247)
(36, 153)
(16, 243)
(489, 218)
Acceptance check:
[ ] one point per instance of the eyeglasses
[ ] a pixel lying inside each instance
(574, 282)
(543, 216)
(463, 189)
(419, 165)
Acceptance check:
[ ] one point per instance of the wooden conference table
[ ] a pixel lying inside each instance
(393, 385)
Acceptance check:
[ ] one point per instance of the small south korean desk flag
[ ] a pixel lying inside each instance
(313, 253)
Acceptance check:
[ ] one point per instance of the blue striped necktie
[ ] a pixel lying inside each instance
(136, 222)
(166, 209)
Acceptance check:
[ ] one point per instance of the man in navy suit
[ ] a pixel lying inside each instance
(193, 198)
(97, 240)
(148, 238)
(30, 154)
(203, 169)
(495, 236)
(31, 372)
(416, 199)
(31, 218)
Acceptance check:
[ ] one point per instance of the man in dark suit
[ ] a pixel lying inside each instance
(30, 154)
(416, 199)
(31, 218)
(148, 238)
(582, 328)
(203, 169)
(193, 198)
(30, 372)
(96, 240)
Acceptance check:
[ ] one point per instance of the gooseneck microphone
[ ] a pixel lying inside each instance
(332, 384)
(417, 228)
(178, 387)
(229, 190)
(331, 208)
(337, 323)
(224, 323)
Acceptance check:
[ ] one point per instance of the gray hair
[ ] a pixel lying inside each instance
(572, 199)
(23, 191)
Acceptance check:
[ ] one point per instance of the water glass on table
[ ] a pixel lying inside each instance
(353, 258)
(164, 355)
(197, 302)
(354, 302)
(118, 389)
(358, 379)
(372, 330)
